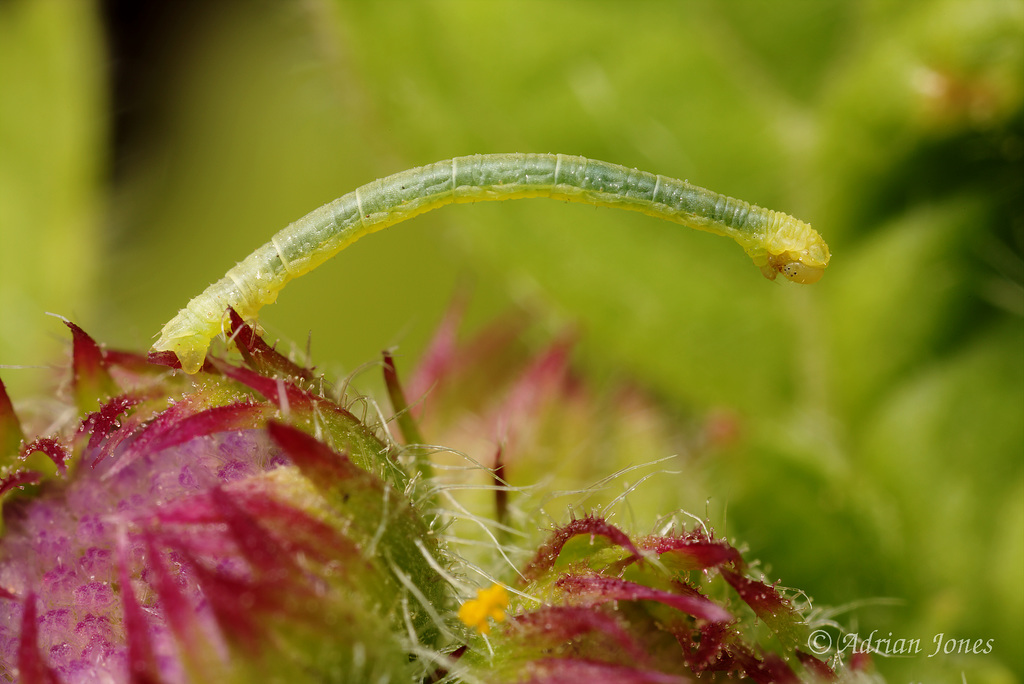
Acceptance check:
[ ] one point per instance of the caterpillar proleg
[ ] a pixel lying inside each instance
(777, 242)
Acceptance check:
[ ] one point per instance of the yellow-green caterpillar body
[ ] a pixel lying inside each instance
(777, 242)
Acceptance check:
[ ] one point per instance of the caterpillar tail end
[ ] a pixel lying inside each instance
(176, 348)
(189, 354)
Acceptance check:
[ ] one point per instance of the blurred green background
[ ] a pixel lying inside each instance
(146, 147)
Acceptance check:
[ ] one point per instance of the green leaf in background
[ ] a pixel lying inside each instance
(53, 135)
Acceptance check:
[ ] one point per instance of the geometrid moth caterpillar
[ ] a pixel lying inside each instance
(777, 243)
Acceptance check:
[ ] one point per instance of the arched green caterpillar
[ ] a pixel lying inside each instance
(778, 243)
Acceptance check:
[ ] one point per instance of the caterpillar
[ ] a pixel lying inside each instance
(777, 242)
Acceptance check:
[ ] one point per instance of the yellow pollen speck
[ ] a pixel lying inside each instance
(490, 602)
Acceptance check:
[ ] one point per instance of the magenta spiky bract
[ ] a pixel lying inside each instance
(195, 530)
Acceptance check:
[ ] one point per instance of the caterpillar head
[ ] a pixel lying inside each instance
(795, 250)
(794, 268)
